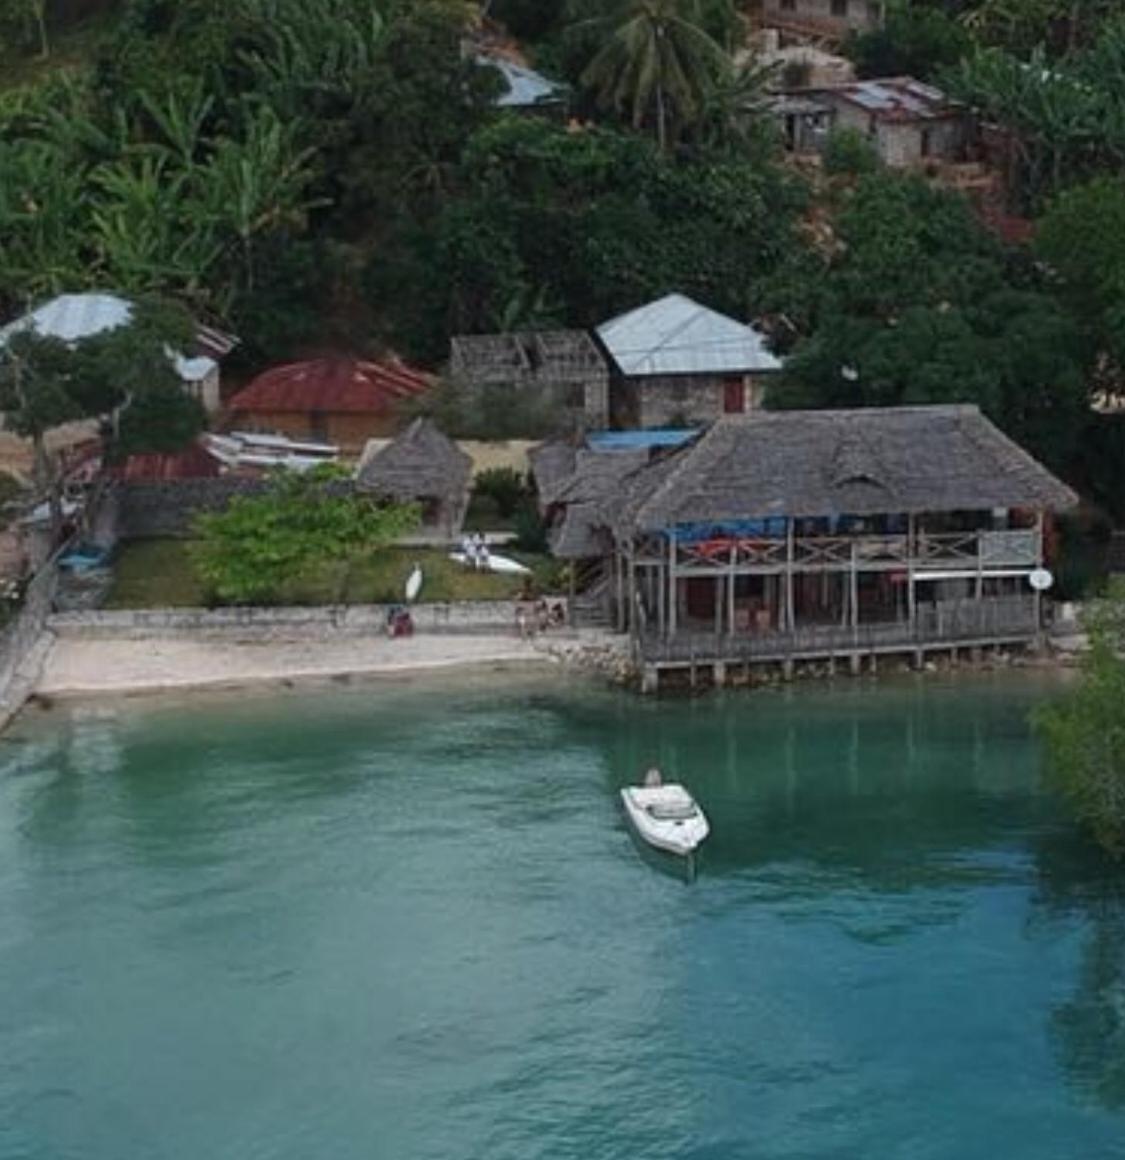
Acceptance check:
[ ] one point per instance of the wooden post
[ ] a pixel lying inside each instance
(790, 613)
(911, 599)
(618, 589)
(718, 604)
(1038, 597)
(672, 610)
(730, 589)
(853, 579)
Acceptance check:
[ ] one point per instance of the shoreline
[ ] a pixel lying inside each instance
(76, 668)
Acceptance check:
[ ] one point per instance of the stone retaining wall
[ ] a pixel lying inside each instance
(282, 623)
(167, 508)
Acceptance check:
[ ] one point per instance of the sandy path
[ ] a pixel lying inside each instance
(77, 666)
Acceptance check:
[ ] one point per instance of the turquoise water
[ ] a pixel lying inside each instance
(410, 924)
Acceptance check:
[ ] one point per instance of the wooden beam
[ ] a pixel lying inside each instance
(790, 614)
(672, 609)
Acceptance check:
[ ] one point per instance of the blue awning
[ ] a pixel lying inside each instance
(629, 440)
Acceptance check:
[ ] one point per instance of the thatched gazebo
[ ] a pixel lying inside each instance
(425, 466)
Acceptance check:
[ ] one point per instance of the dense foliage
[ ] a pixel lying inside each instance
(315, 173)
(247, 553)
(1085, 730)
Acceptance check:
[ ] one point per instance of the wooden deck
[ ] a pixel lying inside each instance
(960, 625)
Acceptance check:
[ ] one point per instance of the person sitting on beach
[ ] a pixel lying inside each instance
(653, 780)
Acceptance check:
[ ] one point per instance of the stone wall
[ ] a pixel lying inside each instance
(690, 400)
(282, 623)
(167, 508)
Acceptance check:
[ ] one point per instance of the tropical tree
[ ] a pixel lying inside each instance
(303, 522)
(657, 65)
(1085, 730)
(35, 399)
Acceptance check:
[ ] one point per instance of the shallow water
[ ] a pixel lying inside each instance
(410, 924)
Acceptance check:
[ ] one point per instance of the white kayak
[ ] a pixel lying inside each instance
(413, 585)
(503, 565)
(666, 816)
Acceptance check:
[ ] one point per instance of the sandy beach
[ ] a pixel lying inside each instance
(81, 667)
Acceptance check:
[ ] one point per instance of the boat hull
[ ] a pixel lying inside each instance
(680, 836)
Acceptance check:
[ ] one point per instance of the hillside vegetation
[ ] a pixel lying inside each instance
(336, 172)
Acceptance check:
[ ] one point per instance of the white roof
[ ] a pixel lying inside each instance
(73, 317)
(676, 336)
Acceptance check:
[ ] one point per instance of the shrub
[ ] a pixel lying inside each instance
(1085, 730)
(505, 486)
(531, 531)
(848, 152)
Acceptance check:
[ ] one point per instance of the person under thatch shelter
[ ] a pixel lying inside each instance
(422, 465)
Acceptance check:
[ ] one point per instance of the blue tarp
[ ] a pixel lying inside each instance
(630, 440)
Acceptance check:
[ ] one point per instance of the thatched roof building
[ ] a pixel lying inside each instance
(594, 480)
(552, 465)
(804, 464)
(422, 465)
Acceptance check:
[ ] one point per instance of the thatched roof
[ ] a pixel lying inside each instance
(598, 474)
(581, 535)
(552, 464)
(591, 486)
(421, 463)
(824, 463)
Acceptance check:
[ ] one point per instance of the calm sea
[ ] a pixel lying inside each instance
(408, 923)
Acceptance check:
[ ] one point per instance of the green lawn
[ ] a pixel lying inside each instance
(159, 574)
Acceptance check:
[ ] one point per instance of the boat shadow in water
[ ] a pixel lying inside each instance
(683, 867)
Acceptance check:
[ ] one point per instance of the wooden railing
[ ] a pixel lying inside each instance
(950, 622)
(967, 549)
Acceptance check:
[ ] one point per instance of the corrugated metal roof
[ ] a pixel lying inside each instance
(73, 317)
(676, 336)
(526, 87)
(330, 385)
(896, 99)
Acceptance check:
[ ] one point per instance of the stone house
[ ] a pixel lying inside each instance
(676, 363)
(828, 18)
(563, 369)
(910, 123)
(339, 401)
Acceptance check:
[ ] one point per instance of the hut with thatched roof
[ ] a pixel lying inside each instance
(422, 465)
(779, 536)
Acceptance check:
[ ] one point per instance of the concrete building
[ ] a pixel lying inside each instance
(831, 19)
(337, 400)
(676, 363)
(910, 123)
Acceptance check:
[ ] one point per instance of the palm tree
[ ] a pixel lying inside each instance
(657, 64)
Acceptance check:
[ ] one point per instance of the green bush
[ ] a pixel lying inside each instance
(531, 531)
(506, 487)
(847, 152)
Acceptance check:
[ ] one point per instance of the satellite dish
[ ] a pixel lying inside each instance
(1040, 579)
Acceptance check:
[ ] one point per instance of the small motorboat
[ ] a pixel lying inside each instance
(666, 816)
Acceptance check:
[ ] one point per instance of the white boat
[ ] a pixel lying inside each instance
(666, 816)
(503, 565)
(413, 584)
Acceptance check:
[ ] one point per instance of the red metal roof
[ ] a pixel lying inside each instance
(192, 463)
(330, 385)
